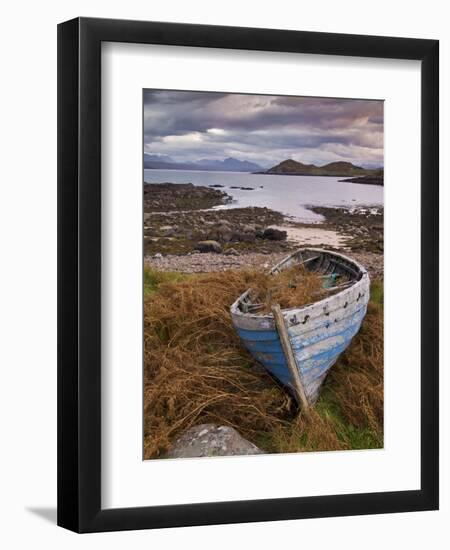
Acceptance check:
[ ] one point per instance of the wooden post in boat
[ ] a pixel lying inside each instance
(290, 359)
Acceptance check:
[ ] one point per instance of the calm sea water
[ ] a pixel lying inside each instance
(290, 195)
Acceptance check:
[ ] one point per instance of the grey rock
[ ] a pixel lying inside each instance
(198, 235)
(168, 230)
(209, 246)
(273, 234)
(226, 236)
(231, 252)
(224, 233)
(247, 237)
(211, 440)
(245, 233)
(223, 222)
(248, 228)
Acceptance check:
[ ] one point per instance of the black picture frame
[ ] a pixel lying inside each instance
(79, 274)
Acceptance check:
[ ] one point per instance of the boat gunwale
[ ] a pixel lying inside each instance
(294, 337)
(309, 328)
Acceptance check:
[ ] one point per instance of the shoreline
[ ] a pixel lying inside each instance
(187, 237)
(211, 262)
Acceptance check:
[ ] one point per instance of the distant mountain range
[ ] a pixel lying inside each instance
(293, 168)
(164, 162)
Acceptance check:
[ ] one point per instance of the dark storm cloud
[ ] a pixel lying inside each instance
(170, 97)
(265, 129)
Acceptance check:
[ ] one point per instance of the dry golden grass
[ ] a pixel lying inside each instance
(292, 287)
(197, 371)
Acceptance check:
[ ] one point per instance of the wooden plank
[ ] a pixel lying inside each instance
(290, 358)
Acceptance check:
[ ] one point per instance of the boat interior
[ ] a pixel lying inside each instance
(338, 273)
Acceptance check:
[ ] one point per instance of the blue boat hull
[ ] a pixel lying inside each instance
(315, 354)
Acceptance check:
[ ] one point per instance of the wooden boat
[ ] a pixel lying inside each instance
(299, 345)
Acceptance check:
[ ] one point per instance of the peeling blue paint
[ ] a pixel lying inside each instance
(314, 354)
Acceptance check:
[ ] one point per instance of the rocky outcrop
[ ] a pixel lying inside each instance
(211, 440)
(166, 197)
(189, 219)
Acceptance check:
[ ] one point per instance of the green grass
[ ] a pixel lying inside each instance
(351, 436)
(152, 279)
(377, 292)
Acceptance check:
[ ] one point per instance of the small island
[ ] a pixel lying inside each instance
(373, 179)
(292, 167)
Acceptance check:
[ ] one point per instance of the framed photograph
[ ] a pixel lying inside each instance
(247, 275)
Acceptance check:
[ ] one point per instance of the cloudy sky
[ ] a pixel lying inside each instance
(189, 126)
